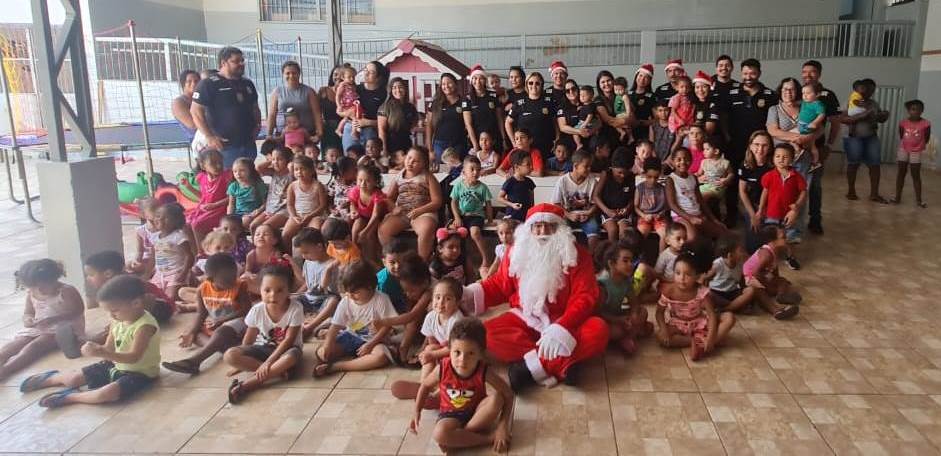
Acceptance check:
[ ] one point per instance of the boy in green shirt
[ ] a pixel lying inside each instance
(130, 357)
(470, 205)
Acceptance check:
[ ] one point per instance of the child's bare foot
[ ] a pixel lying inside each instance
(321, 370)
(339, 132)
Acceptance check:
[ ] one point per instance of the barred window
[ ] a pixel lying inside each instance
(351, 11)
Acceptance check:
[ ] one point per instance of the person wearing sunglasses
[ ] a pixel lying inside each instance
(536, 113)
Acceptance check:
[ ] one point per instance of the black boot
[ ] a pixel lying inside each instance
(572, 374)
(520, 377)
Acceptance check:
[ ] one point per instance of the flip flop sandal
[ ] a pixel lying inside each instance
(317, 363)
(56, 399)
(181, 367)
(786, 313)
(235, 392)
(35, 382)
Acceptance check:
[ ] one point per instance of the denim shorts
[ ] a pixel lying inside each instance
(865, 150)
(589, 227)
(350, 342)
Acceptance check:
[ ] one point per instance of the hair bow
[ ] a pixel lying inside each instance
(444, 233)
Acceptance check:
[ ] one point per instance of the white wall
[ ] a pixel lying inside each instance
(930, 80)
(153, 18)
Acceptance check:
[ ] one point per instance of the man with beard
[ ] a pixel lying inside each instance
(559, 73)
(748, 107)
(225, 109)
(549, 281)
(810, 73)
(673, 70)
(722, 83)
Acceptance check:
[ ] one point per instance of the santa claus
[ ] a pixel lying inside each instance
(549, 281)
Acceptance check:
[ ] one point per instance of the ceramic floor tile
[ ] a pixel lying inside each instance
(735, 367)
(652, 368)
(161, 420)
(563, 420)
(816, 371)
(365, 421)
(896, 370)
(35, 429)
(862, 425)
(378, 379)
(663, 423)
(268, 420)
(12, 401)
(763, 424)
(768, 332)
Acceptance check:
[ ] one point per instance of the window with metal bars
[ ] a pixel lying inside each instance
(351, 11)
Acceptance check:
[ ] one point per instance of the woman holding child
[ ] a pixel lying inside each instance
(298, 97)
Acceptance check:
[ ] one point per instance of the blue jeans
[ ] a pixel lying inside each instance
(815, 198)
(865, 150)
(440, 146)
(365, 134)
(801, 166)
(230, 153)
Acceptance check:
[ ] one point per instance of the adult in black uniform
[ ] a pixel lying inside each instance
(445, 125)
(535, 113)
(225, 109)
(482, 111)
(748, 112)
(722, 83)
(372, 94)
(642, 101)
(604, 108)
(810, 73)
(397, 116)
(517, 90)
(567, 117)
(673, 71)
(558, 73)
(705, 111)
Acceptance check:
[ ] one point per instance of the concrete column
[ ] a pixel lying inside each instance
(80, 212)
(648, 46)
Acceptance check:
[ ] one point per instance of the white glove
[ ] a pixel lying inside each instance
(555, 341)
(472, 302)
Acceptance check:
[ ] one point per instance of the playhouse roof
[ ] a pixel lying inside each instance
(433, 55)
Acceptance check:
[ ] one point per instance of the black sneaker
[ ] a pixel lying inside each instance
(816, 229)
(793, 263)
(520, 377)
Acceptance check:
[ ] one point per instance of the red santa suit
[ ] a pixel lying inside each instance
(553, 327)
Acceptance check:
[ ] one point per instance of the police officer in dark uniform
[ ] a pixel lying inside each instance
(482, 111)
(642, 101)
(810, 73)
(567, 116)
(558, 73)
(673, 70)
(536, 114)
(225, 109)
(445, 126)
(748, 112)
(705, 108)
(722, 83)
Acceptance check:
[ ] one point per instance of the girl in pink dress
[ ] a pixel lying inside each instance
(693, 320)
(914, 133)
(213, 199)
(367, 207)
(682, 111)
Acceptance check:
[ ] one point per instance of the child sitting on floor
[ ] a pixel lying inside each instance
(666, 261)
(275, 213)
(54, 317)
(318, 295)
(505, 231)
(130, 357)
(173, 250)
(222, 301)
(449, 259)
(693, 321)
(415, 279)
(101, 267)
(233, 226)
(761, 275)
(620, 302)
(272, 345)
(214, 242)
(725, 279)
(307, 201)
(267, 252)
(143, 262)
(467, 416)
(352, 333)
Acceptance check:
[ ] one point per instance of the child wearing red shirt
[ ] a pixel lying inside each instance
(784, 191)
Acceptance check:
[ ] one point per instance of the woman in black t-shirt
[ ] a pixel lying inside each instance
(482, 111)
(536, 113)
(517, 90)
(567, 117)
(328, 107)
(642, 101)
(604, 107)
(445, 125)
(755, 166)
(397, 116)
(372, 93)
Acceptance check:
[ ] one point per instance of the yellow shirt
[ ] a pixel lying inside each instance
(123, 334)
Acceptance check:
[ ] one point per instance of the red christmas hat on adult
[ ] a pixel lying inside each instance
(646, 68)
(556, 66)
(477, 69)
(702, 78)
(674, 63)
(545, 212)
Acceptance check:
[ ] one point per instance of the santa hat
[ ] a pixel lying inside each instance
(702, 77)
(674, 63)
(545, 212)
(557, 65)
(477, 70)
(646, 68)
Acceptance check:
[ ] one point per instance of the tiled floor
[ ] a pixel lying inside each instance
(858, 372)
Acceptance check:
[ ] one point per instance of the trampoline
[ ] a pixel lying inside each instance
(166, 134)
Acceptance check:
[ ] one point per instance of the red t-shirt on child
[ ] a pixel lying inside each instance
(457, 394)
(534, 155)
(782, 192)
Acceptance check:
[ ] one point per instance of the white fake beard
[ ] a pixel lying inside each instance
(540, 264)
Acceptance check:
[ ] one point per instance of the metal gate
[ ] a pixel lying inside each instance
(892, 99)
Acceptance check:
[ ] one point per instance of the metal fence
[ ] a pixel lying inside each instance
(892, 99)
(784, 42)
